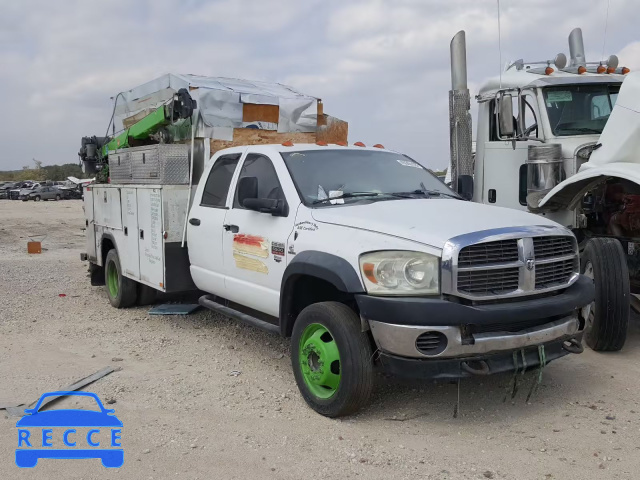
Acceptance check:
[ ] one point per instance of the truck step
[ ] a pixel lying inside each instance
(207, 301)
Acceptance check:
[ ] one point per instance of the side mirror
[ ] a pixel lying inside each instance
(465, 186)
(505, 116)
(247, 188)
(277, 208)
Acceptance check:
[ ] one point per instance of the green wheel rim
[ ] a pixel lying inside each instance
(112, 279)
(320, 361)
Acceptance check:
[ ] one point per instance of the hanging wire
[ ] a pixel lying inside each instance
(606, 24)
(499, 43)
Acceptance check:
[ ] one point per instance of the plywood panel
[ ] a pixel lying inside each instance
(333, 130)
(252, 136)
(260, 113)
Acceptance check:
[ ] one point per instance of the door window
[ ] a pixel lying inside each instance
(260, 167)
(217, 187)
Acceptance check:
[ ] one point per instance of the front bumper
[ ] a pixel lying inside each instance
(454, 368)
(473, 330)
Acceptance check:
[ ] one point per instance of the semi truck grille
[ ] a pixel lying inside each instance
(514, 266)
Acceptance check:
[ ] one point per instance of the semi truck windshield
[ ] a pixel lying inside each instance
(579, 109)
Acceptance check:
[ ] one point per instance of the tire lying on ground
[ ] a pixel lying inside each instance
(332, 359)
(122, 291)
(603, 259)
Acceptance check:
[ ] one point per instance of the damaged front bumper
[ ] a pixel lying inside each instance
(445, 339)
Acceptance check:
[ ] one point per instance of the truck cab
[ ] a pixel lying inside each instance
(559, 138)
(355, 250)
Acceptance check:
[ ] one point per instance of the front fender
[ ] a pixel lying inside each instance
(333, 269)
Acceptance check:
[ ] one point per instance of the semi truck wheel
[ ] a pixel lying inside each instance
(604, 261)
(332, 359)
(122, 291)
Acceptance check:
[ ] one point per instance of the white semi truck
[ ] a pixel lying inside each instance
(562, 140)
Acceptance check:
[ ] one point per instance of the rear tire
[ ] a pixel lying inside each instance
(332, 359)
(122, 291)
(57, 197)
(603, 259)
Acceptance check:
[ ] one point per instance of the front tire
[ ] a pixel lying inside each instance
(37, 198)
(57, 197)
(332, 359)
(122, 291)
(604, 261)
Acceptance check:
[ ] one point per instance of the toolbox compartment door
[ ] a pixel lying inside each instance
(90, 236)
(150, 237)
(129, 255)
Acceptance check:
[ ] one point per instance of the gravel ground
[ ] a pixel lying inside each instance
(186, 416)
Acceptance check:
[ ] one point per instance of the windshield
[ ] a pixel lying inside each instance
(579, 109)
(359, 175)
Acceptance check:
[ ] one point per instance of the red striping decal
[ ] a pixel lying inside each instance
(250, 240)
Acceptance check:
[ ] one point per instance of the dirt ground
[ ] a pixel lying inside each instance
(186, 416)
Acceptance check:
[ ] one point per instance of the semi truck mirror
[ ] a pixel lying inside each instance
(505, 116)
(465, 186)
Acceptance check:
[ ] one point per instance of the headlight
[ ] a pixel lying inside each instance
(400, 273)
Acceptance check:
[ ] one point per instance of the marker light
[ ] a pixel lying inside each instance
(581, 70)
(601, 69)
(322, 144)
(342, 144)
(288, 143)
(378, 145)
(359, 144)
(611, 70)
(548, 71)
(625, 70)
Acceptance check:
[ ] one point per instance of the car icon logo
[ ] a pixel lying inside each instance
(530, 263)
(69, 434)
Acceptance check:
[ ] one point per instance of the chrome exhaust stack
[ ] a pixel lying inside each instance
(576, 49)
(461, 162)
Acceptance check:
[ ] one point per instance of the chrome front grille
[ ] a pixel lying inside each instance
(554, 273)
(488, 253)
(497, 281)
(550, 247)
(509, 262)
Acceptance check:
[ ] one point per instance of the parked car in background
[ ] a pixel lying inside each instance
(27, 190)
(43, 193)
(14, 193)
(5, 188)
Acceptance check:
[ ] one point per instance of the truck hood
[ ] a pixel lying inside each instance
(430, 221)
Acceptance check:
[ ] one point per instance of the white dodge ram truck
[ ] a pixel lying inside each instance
(363, 258)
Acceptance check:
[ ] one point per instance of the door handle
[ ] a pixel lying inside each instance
(231, 228)
(194, 221)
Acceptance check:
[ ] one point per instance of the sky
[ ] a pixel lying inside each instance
(382, 65)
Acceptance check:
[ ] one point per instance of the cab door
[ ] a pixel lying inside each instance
(505, 179)
(254, 242)
(205, 228)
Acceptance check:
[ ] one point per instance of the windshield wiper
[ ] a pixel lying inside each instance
(347, 195)
(581, 129)
(423, 192)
